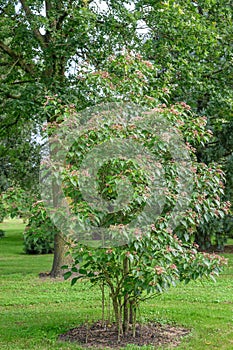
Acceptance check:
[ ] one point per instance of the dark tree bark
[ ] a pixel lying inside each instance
(59, 259)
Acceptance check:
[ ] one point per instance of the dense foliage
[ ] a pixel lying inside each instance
(15, 202)
(39, 233)
(67, 49)
(45, 45)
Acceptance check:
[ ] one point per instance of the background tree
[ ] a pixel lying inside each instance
(42, 43)
(190, 43)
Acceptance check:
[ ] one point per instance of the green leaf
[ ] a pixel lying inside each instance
(74, 280)
(67, 275)
(65, 267)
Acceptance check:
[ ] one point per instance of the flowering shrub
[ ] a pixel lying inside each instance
(148, 265)
(153, 259)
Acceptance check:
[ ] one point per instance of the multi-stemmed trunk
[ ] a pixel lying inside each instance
(124, 307)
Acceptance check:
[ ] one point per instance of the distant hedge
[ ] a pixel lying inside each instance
(2, 233)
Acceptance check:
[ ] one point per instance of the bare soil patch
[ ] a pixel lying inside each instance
(98, 337)
(228, 249)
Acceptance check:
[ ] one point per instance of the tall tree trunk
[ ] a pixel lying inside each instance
(60, 244)
(59, 258)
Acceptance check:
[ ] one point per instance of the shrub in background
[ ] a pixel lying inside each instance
(2, 233)
(2, 209)
(16, 202)
(39, 234)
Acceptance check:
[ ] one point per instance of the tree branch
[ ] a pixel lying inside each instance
(209, 75)
(57, 23)
(47, 8)
(4, 76)
(17, 82)
(30, 15)
(28, 68)
(9, 95)
(200, 10)
(3, 9)
(61, 19)
(14, 122)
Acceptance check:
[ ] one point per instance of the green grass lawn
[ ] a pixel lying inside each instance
(34, 311)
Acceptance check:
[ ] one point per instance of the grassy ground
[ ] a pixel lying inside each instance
(33, 311)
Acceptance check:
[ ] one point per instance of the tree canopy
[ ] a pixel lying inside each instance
(45, 45)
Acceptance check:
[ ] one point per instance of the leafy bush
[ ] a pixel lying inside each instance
(39, 234)
(2, 233)
(228, 226)
(38, 241)
(2, 210)
(16, 202)
(150, 260)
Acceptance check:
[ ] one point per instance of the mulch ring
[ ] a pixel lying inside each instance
(99, 337)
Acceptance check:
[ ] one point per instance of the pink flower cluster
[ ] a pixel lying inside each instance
(185, 106)
(159, 270)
